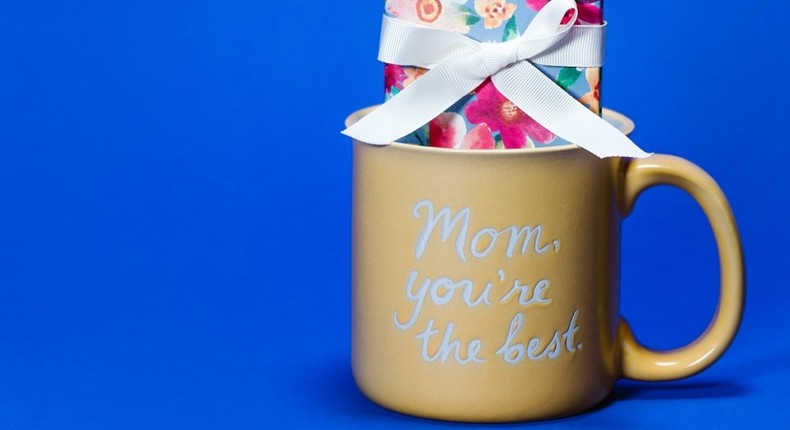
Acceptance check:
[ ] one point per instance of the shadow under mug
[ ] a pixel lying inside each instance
(486, 283)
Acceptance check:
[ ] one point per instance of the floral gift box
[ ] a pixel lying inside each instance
(485, 119)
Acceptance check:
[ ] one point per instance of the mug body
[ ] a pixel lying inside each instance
(485, 283)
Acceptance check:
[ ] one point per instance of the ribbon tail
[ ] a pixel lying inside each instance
(548, 104)
(415, 106)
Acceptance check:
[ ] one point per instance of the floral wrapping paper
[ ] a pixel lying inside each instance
(485, 119)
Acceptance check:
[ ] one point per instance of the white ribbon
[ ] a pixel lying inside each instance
(459, 64)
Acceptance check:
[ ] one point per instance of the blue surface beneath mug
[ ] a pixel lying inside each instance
(175, 213)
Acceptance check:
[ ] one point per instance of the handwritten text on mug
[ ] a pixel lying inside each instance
(440, 291)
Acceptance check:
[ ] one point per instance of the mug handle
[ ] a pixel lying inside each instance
(641, 363)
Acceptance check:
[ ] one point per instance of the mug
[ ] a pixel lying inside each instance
(485, 283)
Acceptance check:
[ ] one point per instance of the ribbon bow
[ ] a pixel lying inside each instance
(459, 64)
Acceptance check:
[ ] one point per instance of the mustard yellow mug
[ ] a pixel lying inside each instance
(485, 283)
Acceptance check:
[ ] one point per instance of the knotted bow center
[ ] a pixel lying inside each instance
(497, 56)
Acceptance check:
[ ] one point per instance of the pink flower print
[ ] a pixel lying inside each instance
(588, 12)
(429, 11)
(393, 77)
(478, 138)
(446, 130)
(494, 12)
(593, 99)
(500, 114)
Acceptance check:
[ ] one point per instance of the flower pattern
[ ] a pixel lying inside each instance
(588, 12)
(448, 130)
(500, 114)
(478, 137)
(592, 99)
(394, 76)
(428, 11)
(494, 12)
(444, 14)
(486, 119)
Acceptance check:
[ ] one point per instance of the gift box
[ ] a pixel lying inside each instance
(485, 119)
(487, 74)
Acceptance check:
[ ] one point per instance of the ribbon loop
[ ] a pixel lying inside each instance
(459, 64)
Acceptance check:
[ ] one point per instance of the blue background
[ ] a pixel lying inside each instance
(175, 210)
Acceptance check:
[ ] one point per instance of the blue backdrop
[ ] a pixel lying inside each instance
(175, 210)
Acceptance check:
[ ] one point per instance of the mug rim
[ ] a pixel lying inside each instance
(626, 126)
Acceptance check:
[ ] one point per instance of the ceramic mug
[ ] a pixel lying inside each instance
(485, 283)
